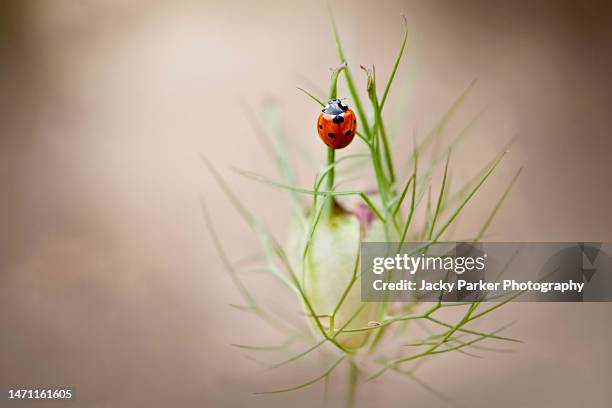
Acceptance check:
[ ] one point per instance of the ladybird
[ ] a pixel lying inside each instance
(337, 124)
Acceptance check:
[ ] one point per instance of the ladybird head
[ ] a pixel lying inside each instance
(335, 107)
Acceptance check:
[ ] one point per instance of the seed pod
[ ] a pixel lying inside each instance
(327, 270)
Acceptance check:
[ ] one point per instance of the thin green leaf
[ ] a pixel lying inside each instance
(440, 199)
(314, 98)
(474, 332)
(251, 220)
(248, 297)
(306, 384)
(442, 396)
(361, 194)
(348, 288)
(225, 260)
(497, 207)
(300, 355)
(277, 348)
(349, 80)
(415, 155)
(396, 65)
(467, 199)
(396, 203)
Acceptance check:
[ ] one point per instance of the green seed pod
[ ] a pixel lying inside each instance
(330, 264)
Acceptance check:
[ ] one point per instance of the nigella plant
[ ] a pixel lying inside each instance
(318, 263)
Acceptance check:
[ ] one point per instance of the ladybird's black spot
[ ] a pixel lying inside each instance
(320, 126)
(347, 133)
(355, 121)
(338, 119)
(331, 135)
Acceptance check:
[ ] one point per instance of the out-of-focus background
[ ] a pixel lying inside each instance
(109, 281)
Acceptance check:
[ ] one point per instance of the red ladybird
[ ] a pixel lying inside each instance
(337, 124)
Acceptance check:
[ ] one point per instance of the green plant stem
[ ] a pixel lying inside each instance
(331, 158)
(352, 386)
(331, 152)
(387, 150)
(379, 127)
(349, 81)
(384, 184)
(384, 197)
(333, 88)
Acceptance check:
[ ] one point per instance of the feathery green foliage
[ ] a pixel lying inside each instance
(396, 209)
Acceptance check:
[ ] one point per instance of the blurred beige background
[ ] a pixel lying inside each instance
(108, 279)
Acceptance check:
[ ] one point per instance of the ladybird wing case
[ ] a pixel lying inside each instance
(337, 131)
